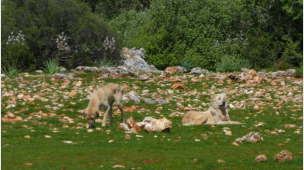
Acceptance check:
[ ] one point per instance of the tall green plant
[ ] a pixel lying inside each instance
(10, 71)
(51, 66)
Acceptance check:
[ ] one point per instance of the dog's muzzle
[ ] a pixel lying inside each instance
(223, 104)
(91, 121)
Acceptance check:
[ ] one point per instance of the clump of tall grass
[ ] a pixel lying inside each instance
(105, 62)
(10, 71)
(187, 64)
(51, 66)
(231, 64)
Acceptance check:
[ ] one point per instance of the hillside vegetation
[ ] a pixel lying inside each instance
(266, 34)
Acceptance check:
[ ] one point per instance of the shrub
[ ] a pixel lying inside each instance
(43, 21)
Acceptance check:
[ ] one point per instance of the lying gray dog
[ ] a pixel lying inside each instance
(104, 97)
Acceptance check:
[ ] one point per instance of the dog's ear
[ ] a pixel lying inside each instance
(213, 96)
(122, 88)
(96, 114)
(83, 113)
(225, 97)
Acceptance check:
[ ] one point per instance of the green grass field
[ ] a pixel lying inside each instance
(176, 149)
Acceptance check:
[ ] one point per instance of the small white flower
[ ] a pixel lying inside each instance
(12, 33)
(22, 43)
(62, 33)
(6, 43)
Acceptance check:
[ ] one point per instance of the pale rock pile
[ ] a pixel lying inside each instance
(251, 137)
(149, 124)
(249, 76)
(134, 59)
(10, 117)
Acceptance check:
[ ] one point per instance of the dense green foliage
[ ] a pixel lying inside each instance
(42, 22)
(267, 34)
(205, 31)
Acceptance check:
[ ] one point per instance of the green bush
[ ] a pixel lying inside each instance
(179, 29)
(42, 22)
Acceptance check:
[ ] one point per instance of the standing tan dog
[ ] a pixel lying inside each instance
(104, 97)
(216, 114)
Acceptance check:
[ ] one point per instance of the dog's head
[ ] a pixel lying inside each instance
(219, 101)
(91, 115)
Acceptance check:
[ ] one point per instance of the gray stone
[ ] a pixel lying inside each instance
(149, 101)
(152, 68)
(62, 76)
(39, 71)
(181, 69)
(137, 64)
(133, 96)
(198, 70)
(161, 101)
(143, 77)
(291, 72)
(62, 69)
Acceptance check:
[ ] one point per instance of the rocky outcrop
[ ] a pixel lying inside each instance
(134, 59)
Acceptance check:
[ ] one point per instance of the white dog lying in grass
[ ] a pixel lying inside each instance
(216, 114)
(104, 98)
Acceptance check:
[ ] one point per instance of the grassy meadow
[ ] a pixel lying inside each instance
(46, 139)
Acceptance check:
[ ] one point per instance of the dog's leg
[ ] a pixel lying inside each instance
(111, 115)
(104, 121)
(120, 107)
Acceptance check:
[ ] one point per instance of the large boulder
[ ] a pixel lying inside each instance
(134, 59)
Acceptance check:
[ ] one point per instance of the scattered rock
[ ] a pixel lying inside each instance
(148, 101)
(283, 156)
(123, 126)
(73, 94)
(39, 71)
(251, 137)
(143, 77)
(118, 166)
(261, 158)
(228, 132)
(133, 96)
(128, 136)
(132, 124)
(198, 70)
(158, 125)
